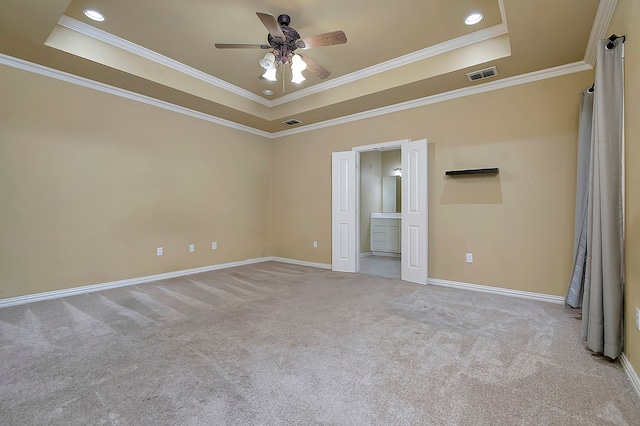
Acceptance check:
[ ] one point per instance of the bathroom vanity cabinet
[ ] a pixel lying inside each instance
(385, 234)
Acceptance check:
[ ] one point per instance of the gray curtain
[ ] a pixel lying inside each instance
(576, 285)
(602, 310)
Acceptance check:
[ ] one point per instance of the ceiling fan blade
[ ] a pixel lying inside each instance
(241, 46)
(270, 22)
(315, 68)
(327, 39)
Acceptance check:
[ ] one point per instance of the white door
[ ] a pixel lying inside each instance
(343, 211)
(414, 212)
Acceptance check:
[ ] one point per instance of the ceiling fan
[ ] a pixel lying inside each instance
(283, 41)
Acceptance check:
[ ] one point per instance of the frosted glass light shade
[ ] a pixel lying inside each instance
(296, 76)
(270, 74)
(268, 61)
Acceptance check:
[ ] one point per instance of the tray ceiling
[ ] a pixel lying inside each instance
(396, 51)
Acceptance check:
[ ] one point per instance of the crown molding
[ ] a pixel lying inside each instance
(416, 103)
(429, 52)
(606, 8)
(91, 84)
(442, 97)
(503, 14)
(105, 37)
(602, 20)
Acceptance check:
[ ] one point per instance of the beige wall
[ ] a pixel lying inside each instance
(95, 183)
(92, 183)
(625, 22)
(518, 224)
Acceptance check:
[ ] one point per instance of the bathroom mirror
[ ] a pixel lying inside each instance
(391, 192)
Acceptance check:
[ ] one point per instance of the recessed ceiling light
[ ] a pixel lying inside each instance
(94, 14)
(473, 18)
(268, 92)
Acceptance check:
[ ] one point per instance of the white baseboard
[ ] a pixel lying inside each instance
(465, 286)
(366, 254)
(300, 262)
(498, 290)
(19, 300)
(631, 374)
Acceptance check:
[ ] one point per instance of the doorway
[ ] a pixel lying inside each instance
(380, 194)
(345, 208)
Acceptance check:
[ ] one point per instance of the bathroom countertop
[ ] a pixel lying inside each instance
(386, 215)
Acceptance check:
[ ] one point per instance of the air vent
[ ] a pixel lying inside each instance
(479, 75)
(292, 122)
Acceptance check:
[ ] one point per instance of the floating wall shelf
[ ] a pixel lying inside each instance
(492, 170)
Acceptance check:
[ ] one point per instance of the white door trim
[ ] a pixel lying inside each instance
(384, 146)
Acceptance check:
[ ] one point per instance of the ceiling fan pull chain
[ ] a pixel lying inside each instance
(282, 75)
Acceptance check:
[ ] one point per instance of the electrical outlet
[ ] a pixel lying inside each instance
(469, 257)
(214, 246)
(315, 244)
(159, 251)
(638, 318)
(192, 248)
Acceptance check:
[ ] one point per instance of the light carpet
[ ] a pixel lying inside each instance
(279, 344)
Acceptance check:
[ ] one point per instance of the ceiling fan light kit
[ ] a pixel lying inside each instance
(283, 41)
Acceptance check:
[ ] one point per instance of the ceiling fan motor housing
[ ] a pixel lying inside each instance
(284, 20)
(284, 48)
